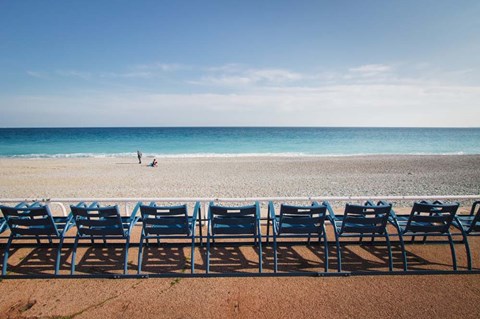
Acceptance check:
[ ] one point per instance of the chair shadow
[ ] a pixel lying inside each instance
(296, 257)
(101, 259)
(165, 259)
(374, 257)
(230, 259)
(40, 260)
(416, 262)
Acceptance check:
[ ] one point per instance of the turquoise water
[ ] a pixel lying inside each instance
(235, 141)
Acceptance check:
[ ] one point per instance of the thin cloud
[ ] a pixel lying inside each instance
(75, 74)
(38, 75)
(165, 67)
(235, 75)
(370, 69)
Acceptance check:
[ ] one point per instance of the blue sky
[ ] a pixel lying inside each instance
(236, 63)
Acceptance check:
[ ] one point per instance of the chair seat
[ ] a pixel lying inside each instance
(232, 229)
(403, 221)
(356, 228)
(171, 229)
(466, 221)
(297, 228)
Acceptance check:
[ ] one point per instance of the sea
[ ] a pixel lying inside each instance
(235, 141)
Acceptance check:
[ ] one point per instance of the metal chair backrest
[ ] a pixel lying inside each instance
(165, 220)
(234, 220)
(428, 217)
(368, 218)
(302, 219)
(475, 223)
(30, 221)
(98, 221)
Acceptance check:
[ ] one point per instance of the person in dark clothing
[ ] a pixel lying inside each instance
(139, 155)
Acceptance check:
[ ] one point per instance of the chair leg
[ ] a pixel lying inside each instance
(275, 254)
(140, 255)
(268, 225)
(402, 246)
(125, 261)
(325, 245)
(260, 264)
(192, 256)
(339, 254)
(200, 226)
(5, 256)
(74, 255)
(208, 253)
(59, 255)
(390, 257)
(467, 249)
(452, 248)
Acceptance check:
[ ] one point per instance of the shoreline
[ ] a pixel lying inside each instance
(225, 155)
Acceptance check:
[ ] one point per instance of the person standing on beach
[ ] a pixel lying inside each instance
(139, 155)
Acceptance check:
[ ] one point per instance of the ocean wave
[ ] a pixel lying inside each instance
(221, 155)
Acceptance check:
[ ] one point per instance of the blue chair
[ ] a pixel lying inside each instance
(469, 225)
(168, 222)
(34, 222)
(95, 222)
(361, 221)
(426, 219)
(234, 223)
(297, 222)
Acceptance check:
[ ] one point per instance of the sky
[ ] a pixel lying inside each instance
(239, 63)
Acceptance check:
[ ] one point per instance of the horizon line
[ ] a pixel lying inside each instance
(239, 126)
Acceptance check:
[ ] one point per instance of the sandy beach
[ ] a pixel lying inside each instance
(293, 297)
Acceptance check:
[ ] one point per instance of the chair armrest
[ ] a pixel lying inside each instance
(196, 210)
(331, 214)
(209, 219)
(69, 224)
(133, 217)
(271, 210)
(474, 207)
(135, 210)
(257, 210)
(457, 223)
(258, 215)
(393, 219)
(272, 216)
